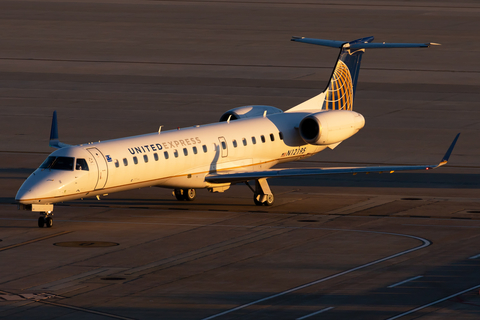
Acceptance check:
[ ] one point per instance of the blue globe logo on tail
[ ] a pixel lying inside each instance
(339, 94)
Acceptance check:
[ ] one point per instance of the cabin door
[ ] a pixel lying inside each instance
(223, 146)
(101, 166)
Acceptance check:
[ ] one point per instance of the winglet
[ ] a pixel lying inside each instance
(449, 152)
(54, 143)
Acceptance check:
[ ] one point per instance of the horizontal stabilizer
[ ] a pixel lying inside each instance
(363, 43)
(235, 177)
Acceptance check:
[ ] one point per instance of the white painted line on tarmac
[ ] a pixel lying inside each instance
(432, 303)
(475, 257)
(404, 281)
(441, 226)
(426, 243)
(312, 314)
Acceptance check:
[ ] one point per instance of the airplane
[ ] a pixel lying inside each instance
(242, 147)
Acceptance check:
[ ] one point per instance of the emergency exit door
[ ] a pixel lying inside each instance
(223, 146)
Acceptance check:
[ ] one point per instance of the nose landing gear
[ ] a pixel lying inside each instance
(45, 220)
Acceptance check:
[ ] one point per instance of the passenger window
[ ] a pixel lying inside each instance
(166, 154)
(135, 160)
(155, 156)
(175, 153)
(204, 148)
(224, 145)
(185, 151)
(145, 158)
(194, 150)
(280, 134)
(244, 141)
(234, 142)
(272, 137)
(82, 164)
(263, 138)
(254, 141)
(117, 164)
(125, 162)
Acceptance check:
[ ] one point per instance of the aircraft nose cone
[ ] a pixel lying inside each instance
(35, 188)
(24, 193)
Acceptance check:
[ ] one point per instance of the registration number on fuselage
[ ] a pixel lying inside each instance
(294, 152)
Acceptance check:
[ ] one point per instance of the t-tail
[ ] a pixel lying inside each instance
(340, 91)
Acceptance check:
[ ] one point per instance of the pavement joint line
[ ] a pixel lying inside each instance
(353, 213)
(34, 240)
(244, 226)
(364, 205)
(71, 281)
(425, 244)
(314, 313)
(32, 298)
(433, 303)
(257, 235)
(109, 315)
(227, 64)
(404, 281)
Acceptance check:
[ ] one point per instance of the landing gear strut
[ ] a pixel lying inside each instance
(185, 194)
(45, 220)
(262, 196)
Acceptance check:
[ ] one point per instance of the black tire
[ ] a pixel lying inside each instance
(179, 194)
(41, 222)
(48, 222)
(257, 203)
(270, 200)
(189, 194)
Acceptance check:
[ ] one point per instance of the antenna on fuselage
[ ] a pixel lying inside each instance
(160, 129)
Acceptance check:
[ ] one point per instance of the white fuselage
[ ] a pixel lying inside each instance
(172, 159)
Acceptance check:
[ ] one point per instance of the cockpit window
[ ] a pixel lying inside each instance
(63, 163)
(47, 163)
(82, 164)
(58, 163)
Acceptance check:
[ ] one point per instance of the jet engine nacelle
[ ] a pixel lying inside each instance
(248, 112)
(330, 127)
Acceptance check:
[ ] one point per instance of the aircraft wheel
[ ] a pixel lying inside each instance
(48, 222)
(258, 203)
(41, 222)
(189, 194)
(179, 194)
(270, 200)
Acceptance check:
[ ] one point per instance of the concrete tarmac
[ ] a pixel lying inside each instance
(377, 246)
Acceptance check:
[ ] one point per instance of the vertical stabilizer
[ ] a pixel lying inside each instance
(54, 142)
(340, 91)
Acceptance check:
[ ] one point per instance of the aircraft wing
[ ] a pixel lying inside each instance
(234, 177)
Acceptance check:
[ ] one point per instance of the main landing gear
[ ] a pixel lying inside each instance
(45, 220)
(262, 196)
(185, 194)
